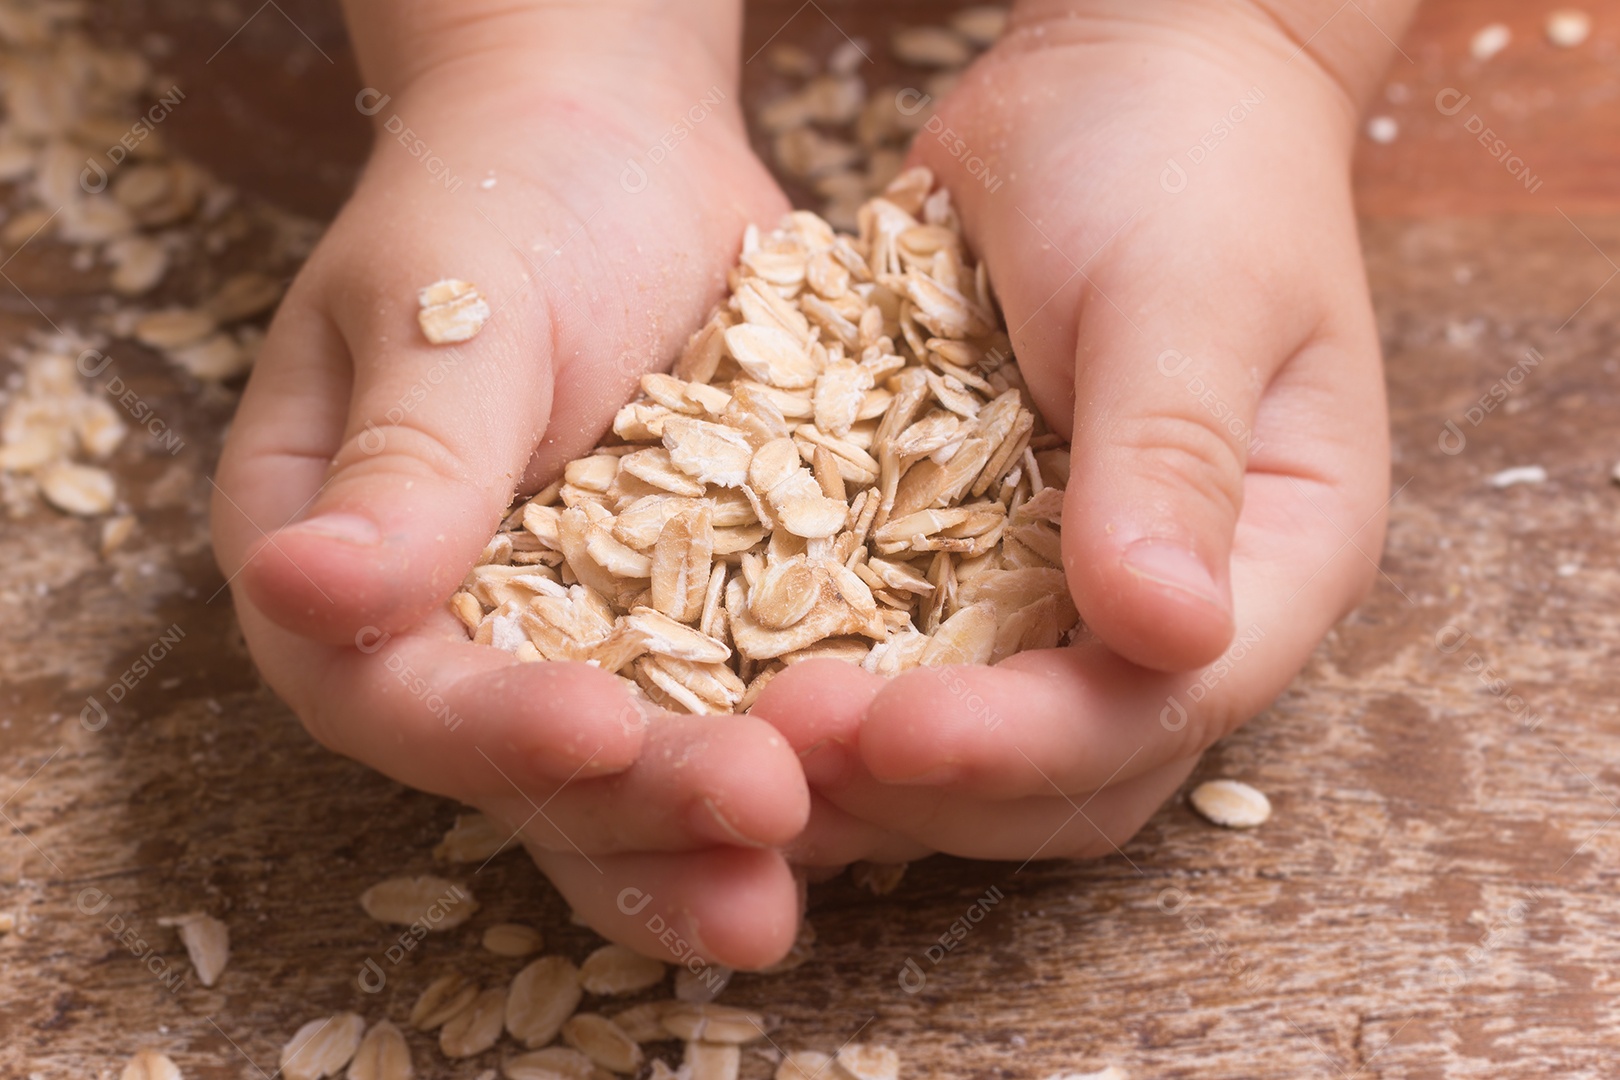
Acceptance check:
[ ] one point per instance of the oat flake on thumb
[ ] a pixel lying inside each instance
(451, 311)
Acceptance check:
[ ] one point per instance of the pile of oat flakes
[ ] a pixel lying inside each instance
(843, 463)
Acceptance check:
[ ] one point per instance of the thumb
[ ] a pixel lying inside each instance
(1165, 406)
(435, 439)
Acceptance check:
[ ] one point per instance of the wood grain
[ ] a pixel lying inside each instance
(1432, 897)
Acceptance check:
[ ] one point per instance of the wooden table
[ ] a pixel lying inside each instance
(1431, 898)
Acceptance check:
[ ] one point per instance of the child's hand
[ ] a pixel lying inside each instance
(1207, 342)
(396, 457)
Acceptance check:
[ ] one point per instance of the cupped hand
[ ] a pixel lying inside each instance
(1164, 207)
(597, 199)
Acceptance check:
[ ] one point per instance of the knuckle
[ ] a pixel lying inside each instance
(400, 449)
(1190, 453)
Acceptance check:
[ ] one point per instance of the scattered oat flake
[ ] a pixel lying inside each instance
(1489, 40)
(662, 1071)
(804, 1065)
(473, 838)
(435, 903)
(382, 1055)
(551, 1063)
(78, 489)
(207, 942)
(138, 264)
(981, 25)
(115, 531)
(712, 1061)
(1113, 1072)
(713, 1023)
(512, 939)
(217, 357)
(1519, 474)
(931, 46)
(445, 998)
(615, 969)
(451, 311)
(791, 60)
(643, 1022)
(174, 328)
(1231, 803)
(322, 1047)
(879, 879)
(150, 1065)
(603, 1041)
(540, 999)
(477, 1027)
(863, 1061)
(1568, 27)
(243, 296)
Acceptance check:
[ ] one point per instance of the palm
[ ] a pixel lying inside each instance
(350, 415)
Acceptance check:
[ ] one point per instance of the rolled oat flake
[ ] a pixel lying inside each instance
(1231, 803)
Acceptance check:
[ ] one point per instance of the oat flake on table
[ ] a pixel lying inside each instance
(1231, 803)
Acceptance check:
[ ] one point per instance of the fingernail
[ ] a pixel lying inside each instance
(1166, 563)
(708, 822)
(689, 929)
(825, 763)
(350, 528)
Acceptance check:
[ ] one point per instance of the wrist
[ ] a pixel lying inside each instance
(1348, 46)
(526, 46)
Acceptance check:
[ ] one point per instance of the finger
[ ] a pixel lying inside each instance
(437, 712)
(730, 906)
(817, 705)
(834, 837)
(562, 751)
(1082, 718)
(1083, 826)
(1150, 327)
(435, 436)
(699, 781)
(1166, 399)
(286, 426)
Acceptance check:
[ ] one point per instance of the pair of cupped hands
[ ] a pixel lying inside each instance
(1201, 333)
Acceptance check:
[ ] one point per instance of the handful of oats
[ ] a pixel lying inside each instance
(843, 463)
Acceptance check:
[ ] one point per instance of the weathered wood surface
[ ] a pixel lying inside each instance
(1433, 897)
